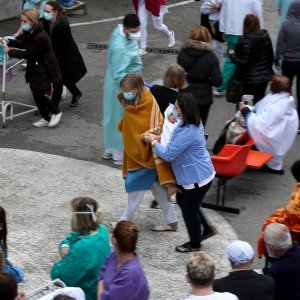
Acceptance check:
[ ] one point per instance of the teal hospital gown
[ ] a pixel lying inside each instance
(81, 266)
(123, 58)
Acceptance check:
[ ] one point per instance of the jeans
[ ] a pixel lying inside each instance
(57, 91)
(290, 70)
(189, 202)
(45, 105)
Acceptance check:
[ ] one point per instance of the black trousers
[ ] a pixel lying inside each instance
(57, 91)
(204, 110)
(290, 70)
(189, 202)
(258, 90)
(45, 105)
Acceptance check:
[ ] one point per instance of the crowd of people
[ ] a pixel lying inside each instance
(174, 163)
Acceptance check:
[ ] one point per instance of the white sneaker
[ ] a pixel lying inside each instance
(112, 225)
(171, 40)
(218, 93)
(41, 123)
(55, 120)
(142, 51)
(118, 162)
(107, 155)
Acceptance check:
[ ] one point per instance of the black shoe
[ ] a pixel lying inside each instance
(186, 248)
(154, 204)
(266, 169)
(75, 100)
(208, 232)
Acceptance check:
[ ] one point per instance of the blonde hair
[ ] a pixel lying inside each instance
(32, 15)
(132, 81)
(200, 269)
(175, 77)
(200, 33)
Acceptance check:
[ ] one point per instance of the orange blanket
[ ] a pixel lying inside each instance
(136, 120)
(289, 216)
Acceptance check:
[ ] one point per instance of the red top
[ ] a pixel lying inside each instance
(151, 5)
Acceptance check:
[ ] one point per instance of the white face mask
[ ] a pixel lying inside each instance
(134, 35)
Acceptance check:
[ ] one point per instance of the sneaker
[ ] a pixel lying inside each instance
(107, 155)
(165, 227)
(118, 162)
(41, 123)
(171, 40)
(186, 248)
(55, 120)
(112, 225)
(218, 93)
(142, 51)
(75, 100)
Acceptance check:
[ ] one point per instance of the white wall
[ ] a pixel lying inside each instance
(9, 9)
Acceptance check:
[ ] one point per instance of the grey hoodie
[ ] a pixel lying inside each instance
(288, 45)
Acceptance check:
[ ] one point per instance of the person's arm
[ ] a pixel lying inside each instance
(100, 289)
(258, 10)
(281, 44)
(74, 265)
(178, 144)
(216, 75)
(242, 54)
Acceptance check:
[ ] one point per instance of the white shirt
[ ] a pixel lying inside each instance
(233, 13)
(214, 296)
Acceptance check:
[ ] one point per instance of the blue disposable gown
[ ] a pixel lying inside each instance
(123, 58)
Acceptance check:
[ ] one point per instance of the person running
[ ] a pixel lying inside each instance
(158, 9)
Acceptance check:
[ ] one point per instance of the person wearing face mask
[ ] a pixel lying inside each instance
(141, 170)
(66, 51)
(123, 58)
(193, 169)
(42, 66)
(122, 276)
(15, 271)
(85, 249)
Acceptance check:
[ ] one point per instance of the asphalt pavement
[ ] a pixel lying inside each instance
(79, 134)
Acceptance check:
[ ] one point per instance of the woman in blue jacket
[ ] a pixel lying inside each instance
(192, 166)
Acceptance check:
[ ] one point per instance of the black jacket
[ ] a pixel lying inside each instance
(202, 68)
(254, 58)
(66, 51)
(164, 96)
(246, 285)
(42, 66)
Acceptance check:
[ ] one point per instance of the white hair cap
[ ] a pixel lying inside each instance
(240, 252)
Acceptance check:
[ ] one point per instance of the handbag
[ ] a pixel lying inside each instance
(234, 91)
(222, 139)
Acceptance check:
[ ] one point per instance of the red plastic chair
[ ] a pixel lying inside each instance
(229, 163)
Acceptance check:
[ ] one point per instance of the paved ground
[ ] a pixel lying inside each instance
(80, 134)
(36, 191)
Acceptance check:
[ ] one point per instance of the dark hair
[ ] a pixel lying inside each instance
(8, 287)
(131, 21)
(56, 7)
(280, 83)
(189, 109)
(3, 231)
(251, 24)
(85, 223)
(295, 169)
(63, 297)
(126, 234)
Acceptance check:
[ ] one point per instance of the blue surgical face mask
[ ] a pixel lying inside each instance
(48, 16)
(128, 96)
(35, 1)
(26, 27)
(175, 114)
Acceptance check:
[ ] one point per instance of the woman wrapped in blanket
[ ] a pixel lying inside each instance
(140, 168)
